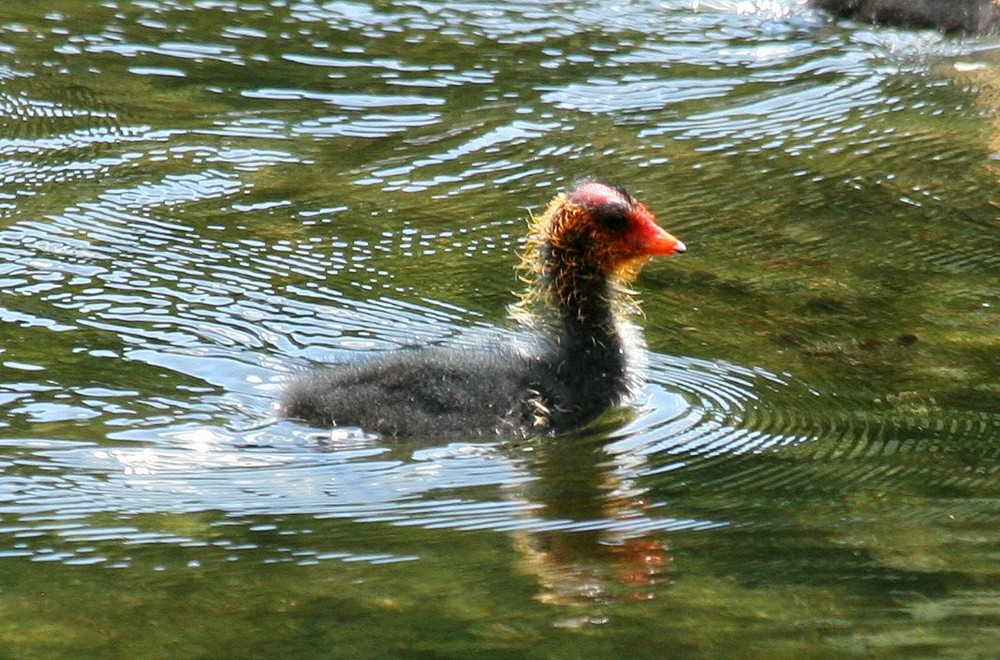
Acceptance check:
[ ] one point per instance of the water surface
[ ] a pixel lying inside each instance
(200, 199)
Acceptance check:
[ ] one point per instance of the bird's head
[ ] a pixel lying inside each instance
(600, 227)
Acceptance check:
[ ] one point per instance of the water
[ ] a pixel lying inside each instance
(199, 199)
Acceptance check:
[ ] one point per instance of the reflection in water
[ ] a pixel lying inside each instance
(596, 562)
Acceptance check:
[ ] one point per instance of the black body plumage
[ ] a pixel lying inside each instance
(949, 16)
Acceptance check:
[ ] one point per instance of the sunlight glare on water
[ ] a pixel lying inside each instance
(200, 200)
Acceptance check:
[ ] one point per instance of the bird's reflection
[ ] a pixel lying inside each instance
(601, 553)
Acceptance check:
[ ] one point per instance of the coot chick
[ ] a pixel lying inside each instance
(581, 254)
(948, 16)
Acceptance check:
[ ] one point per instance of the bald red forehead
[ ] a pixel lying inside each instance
(595, 194)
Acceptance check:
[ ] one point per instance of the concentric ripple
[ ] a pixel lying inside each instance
(746, 430)
(725, 427)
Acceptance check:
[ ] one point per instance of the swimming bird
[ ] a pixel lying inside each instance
(580, 360)
(948, 16)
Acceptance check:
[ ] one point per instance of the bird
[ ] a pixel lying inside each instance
(948, 16)
(581, 355)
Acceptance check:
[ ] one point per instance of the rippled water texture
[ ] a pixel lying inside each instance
(199, 199)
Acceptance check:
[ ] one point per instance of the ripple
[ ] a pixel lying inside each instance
(607, 96)
(167, 49)
(752, 431)
(724, 427)
(355, 484)
(346, 101)
(371, 125)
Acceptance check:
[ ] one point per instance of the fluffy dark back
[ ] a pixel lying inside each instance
(949, 16)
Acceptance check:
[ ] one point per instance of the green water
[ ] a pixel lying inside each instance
(199, 199)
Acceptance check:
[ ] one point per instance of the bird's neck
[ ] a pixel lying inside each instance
(583, 310)
(582, 305)
(588, 345)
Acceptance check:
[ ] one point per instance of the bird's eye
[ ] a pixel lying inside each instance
(614, 220)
